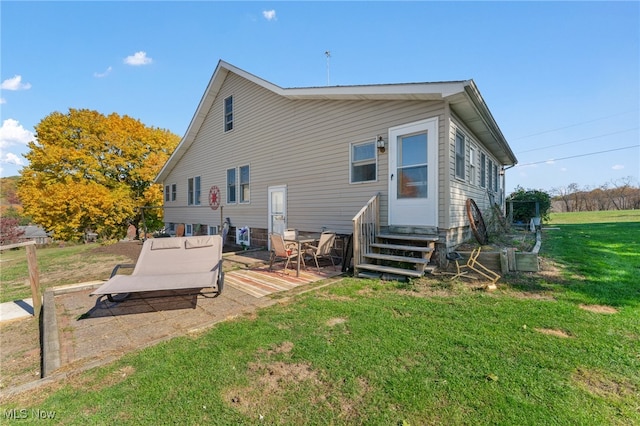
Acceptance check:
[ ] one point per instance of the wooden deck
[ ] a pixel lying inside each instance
(260, 282)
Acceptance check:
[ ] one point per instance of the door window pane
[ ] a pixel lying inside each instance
(412, 182)
(277, 202)
(412, 150)
(412, 166)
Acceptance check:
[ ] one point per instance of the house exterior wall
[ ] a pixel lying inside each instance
(303, 144)
(470, 186)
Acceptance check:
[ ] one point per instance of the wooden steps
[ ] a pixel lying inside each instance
(397, 255)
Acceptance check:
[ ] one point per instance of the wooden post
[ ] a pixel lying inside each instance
(504, 262)
(221, 223)
(511, 259)
(34, 279)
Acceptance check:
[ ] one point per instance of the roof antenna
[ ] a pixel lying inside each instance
(328, 55)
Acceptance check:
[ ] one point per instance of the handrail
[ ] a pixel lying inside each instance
(366, 225)
(16, 245)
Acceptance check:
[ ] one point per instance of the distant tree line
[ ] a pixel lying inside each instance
(621, 194)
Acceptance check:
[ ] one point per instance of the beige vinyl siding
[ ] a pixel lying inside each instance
(303, 144)
(462, 190)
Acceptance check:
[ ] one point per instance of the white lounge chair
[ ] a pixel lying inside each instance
(171, 264)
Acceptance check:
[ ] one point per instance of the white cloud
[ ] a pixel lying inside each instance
(618, 167)
(552, 161)
(10, 158)
(269, 15)
(137, 59)
(15, 83)
(12, 133)
(102, 74)
(3, 101)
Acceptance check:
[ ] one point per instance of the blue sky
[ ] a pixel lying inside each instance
(562, 79)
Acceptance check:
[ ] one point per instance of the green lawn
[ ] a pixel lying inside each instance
(56, 266)
(381, 353)
(607, 216)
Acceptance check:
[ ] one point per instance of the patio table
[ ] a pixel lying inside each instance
(299, 241)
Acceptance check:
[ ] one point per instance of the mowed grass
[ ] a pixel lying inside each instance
(432, 351)
(606, 216)
(56, 266)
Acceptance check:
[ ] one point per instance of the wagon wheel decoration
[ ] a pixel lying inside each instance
(477, 223)
(214, 197)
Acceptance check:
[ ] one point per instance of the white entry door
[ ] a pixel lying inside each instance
(277, 209)
(413, 173)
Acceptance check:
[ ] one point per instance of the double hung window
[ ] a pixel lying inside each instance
(363, 162)
(460, 151)
(483, 170)
(193, 191)
(238, 185)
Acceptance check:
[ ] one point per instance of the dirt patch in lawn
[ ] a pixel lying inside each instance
(599, 309)
(603, 385)
(20, 355)
(130, 249)
(553, 332)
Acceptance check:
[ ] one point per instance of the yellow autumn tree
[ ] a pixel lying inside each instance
(91, 172)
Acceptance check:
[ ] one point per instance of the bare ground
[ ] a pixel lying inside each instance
(20, 339)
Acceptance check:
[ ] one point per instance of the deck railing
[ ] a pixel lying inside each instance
(366, 225)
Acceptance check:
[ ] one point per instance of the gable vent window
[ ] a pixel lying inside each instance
(228, 114)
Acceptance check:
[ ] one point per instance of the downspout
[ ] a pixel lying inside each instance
(444, 172)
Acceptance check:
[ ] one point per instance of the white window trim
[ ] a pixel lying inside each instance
(483, 168)
(363, 162)
(235, 185)
(196, 200)
(473, 171)
(224, 114)
(462, 177)
(239, 186)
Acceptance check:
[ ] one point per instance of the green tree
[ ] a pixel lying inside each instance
(525, 201)
(88, 171)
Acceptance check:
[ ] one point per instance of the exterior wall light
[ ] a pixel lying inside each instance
(380, 143)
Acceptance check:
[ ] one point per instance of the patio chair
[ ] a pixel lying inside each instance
(281, 250)
(290, 234)
(323, 249)
(473, 265)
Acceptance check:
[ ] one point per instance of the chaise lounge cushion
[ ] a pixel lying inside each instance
(167, 264)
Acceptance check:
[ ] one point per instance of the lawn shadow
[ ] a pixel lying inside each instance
(598, 263)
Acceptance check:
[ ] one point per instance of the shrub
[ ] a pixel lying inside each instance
(524, 204)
